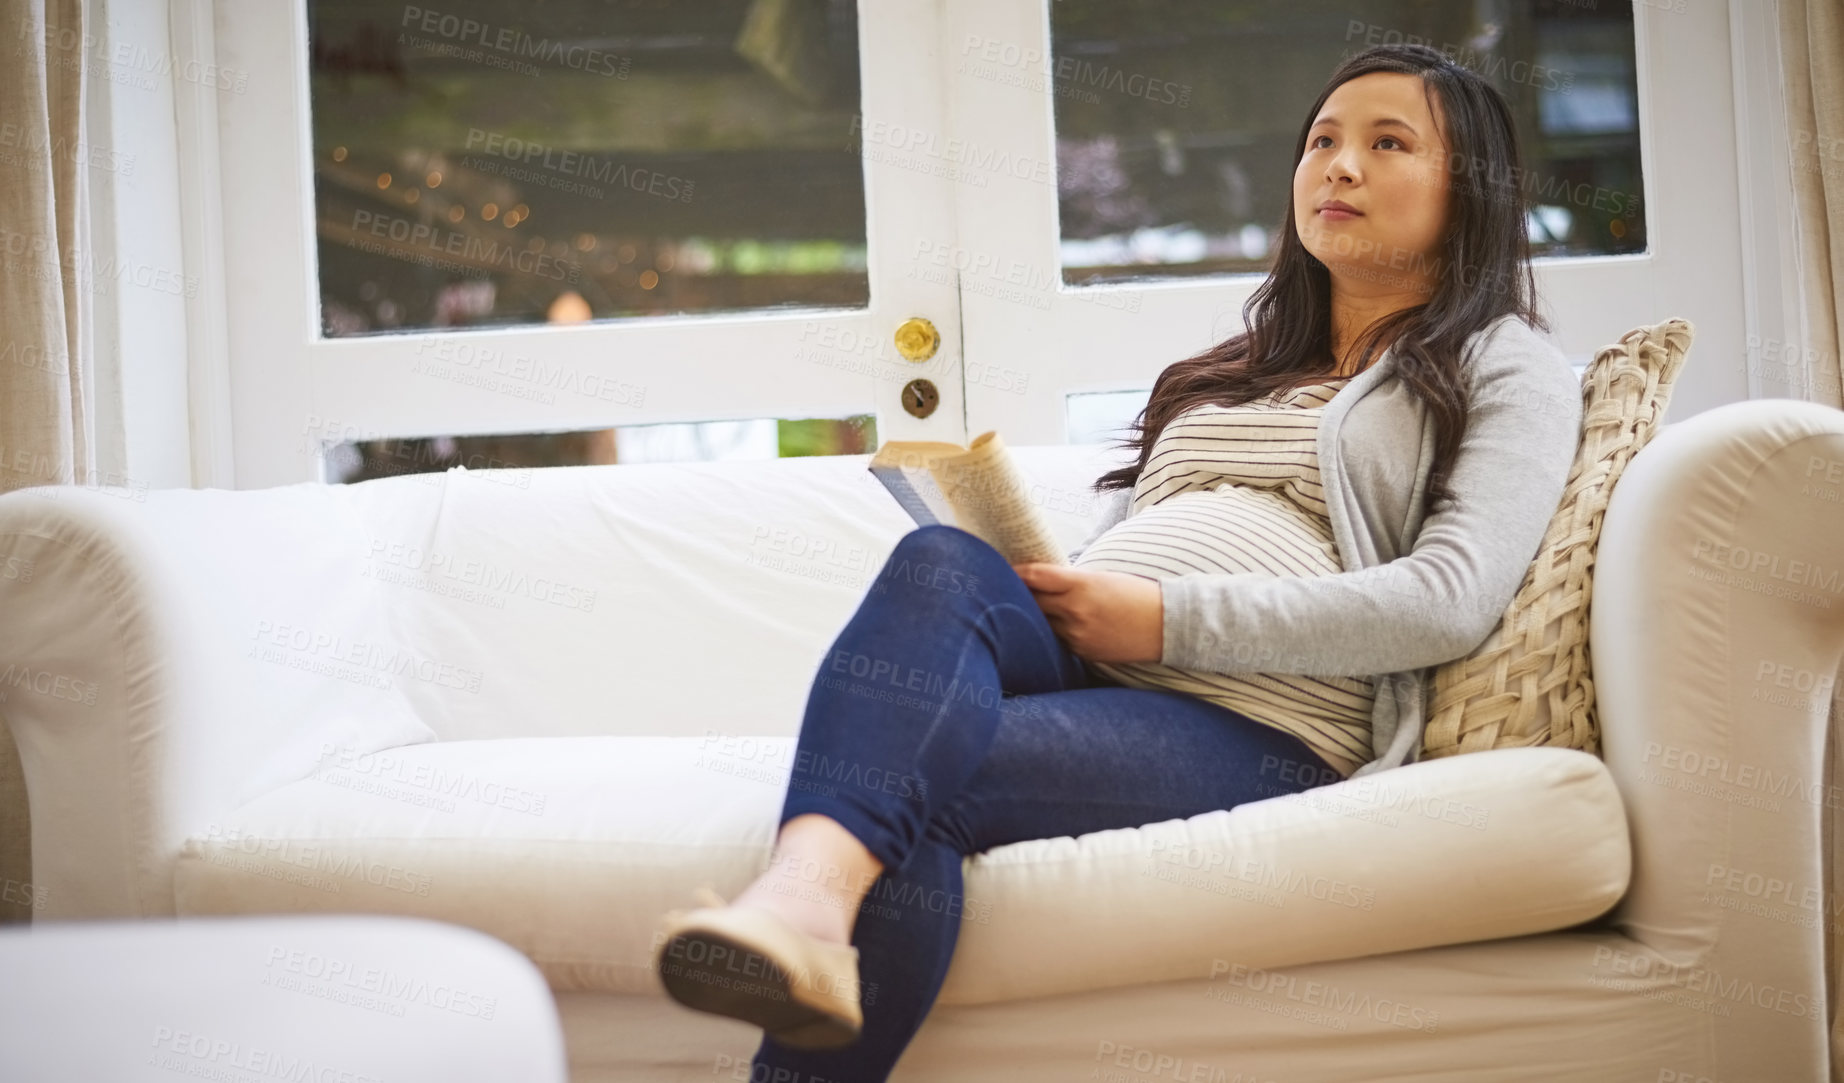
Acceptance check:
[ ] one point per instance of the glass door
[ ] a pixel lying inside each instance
(475, 221)
(1136, 159)
(483, 218)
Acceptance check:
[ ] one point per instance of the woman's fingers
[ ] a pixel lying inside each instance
(1046, 578)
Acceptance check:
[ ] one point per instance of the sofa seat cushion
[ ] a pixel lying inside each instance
(571, 848)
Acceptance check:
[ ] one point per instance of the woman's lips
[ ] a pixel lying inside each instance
(1338, 214)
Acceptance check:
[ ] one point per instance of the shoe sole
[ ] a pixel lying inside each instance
(768, 1001)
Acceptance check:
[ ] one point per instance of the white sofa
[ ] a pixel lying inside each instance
(337, 998)
(546, 704)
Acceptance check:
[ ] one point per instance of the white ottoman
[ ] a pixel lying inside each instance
(330, 998)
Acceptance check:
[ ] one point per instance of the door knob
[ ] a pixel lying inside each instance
(917, 339)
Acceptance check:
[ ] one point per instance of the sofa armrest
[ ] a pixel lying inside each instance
(168, 655)
(1715, 630)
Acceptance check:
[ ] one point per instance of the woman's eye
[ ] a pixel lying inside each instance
(1319, 137)
(1390, 139)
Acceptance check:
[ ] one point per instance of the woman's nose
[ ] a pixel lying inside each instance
(1341, 167)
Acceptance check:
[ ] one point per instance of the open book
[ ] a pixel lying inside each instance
(977, 488)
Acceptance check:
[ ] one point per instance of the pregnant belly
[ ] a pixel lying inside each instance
(1232, 529)
(1249, 531)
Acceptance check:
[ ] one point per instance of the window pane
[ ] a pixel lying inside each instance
(489, 162)
(518, 453)
(1103, 417)
(1176, 119)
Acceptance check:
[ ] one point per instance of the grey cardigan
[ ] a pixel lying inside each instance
(1418, 590)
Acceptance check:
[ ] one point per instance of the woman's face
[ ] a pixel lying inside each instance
(1375, 146)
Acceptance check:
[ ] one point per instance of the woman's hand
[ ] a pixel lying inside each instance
(1103, 616)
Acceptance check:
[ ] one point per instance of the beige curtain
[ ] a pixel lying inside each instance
(1812, 51)
(47, 375)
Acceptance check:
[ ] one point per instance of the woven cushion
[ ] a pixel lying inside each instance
(1529, 683)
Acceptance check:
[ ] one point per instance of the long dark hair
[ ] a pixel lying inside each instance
(1483, 273)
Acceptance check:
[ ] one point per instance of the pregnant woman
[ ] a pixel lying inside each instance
(1321, 509)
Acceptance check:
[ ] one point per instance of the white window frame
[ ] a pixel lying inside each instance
(1690, 122)
(165, 381)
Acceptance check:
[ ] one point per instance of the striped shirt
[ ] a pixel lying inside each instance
(1237, 489)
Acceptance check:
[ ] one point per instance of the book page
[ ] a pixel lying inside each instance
(989, 496)
(902, 466)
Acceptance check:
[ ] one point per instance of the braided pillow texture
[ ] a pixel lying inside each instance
(1528, 683)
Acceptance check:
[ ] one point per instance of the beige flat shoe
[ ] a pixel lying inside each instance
(748, 964)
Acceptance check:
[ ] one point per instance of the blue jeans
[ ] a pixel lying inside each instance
(947, 718)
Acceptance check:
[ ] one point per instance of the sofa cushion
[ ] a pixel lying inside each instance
(573, 601)
(571, 848)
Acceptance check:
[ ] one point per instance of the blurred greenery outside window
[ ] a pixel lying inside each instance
(488, 164)
(697, 441)
(1176, 119)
